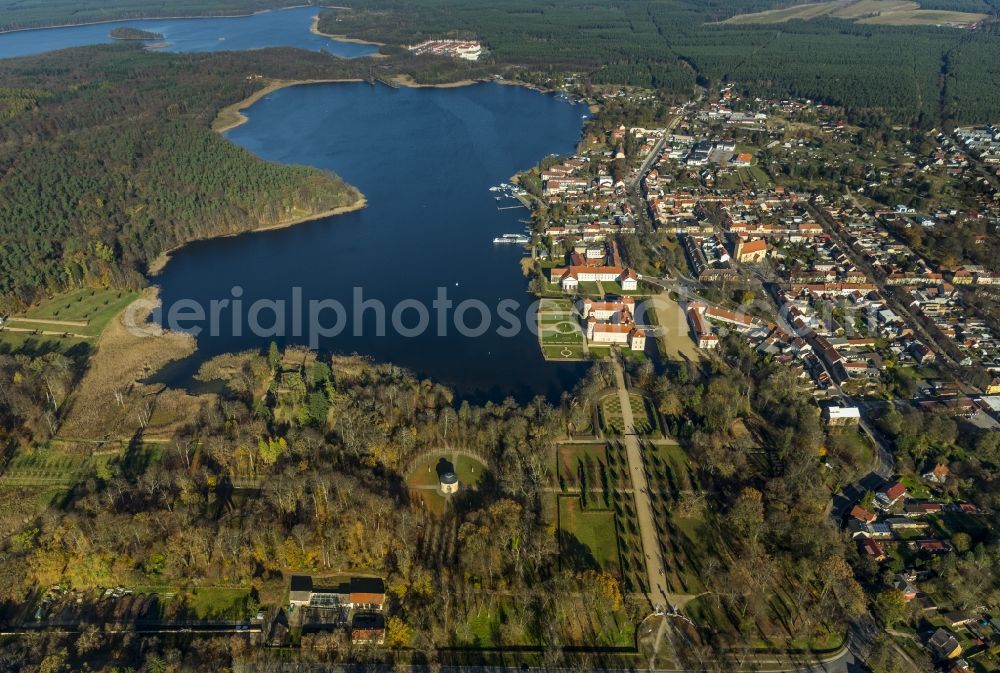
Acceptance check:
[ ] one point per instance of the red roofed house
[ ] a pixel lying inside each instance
(938, 475)
(702, 330)
(890, 495)
(934, 546)
(872, 549)
(862, 514)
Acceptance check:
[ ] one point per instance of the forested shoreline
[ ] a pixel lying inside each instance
(109, 160)
(922, 75)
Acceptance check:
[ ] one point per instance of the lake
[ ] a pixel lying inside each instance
(279, 28)
(425, 159)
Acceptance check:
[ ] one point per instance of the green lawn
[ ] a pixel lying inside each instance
(469, 470)
(87, 311)
(424, 478)
(614, 422)
(45, 468)
(83, 314)
(564, 352)
(569, 458)
(561, 337)
(564, 305)
(915, 488)
(226, 604)
(588, 538)
(35, 345)
(562, 317)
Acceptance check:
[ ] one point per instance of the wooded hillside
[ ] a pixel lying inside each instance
(107, 159)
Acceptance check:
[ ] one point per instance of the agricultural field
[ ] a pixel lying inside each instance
(881, 12)
(925, 17)
(68, 323)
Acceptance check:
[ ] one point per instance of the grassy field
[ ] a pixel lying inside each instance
(46, 468)
(563, 352)
(68, 323)
(423, 479)
(85, 312)
(557, 305)
(686, 539)
(587, 538)
(560, 335)
(882, 12)
(223, 604)
(502, 622)
(572, 458)
(57, 466)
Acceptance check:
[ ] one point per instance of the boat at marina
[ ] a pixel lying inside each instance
(518, 239)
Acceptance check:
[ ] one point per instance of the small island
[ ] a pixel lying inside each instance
(126, 33)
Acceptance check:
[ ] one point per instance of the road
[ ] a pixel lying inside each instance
(652, 554)
(634, 178)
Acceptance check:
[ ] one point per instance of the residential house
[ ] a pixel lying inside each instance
(922, 508)
(933, 546)
(872, 549)
(944, 644)
(362, 593)
(904, 586)
(368, 629)
(890, 495)
(839, 416)
(938, 475)
(862, 514)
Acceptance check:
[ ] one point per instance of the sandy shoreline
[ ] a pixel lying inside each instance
(314, 29)
(232, 116)
(156, 266)
(410, 83)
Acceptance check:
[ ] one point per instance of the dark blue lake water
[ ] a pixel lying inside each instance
(425, 159)
(281, 28)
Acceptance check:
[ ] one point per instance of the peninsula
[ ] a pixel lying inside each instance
(134, 34)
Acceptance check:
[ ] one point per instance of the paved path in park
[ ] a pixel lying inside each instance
(644, 508)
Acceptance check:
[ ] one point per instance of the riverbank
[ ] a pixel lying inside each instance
(314, 29)
(156, 266)
(232, 116)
